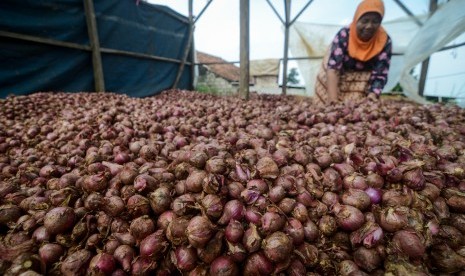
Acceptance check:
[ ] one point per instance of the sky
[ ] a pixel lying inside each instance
(217, 30)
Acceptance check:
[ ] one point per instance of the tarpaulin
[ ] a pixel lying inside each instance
(27, 67)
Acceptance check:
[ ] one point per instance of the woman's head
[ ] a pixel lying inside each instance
(367, 25)
(367, 37)
(367, 18)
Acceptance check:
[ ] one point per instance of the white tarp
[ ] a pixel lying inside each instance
(415, 43)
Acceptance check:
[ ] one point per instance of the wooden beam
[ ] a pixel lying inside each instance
(244, 49)
(139, 55)
(71, 45)
(188, 45)
(287, 10)
(433, 5)
(43, 40)
(275, 11)
(94, 45)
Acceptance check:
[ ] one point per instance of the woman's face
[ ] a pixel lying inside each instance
(367, 25)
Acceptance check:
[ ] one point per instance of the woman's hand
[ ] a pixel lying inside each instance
(373, 97)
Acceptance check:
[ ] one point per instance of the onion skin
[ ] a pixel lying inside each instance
(153, 245)
(50, 253)
(124, 255)
(224, 266)
(258, 264)
(233, 209)
(277, 247)
(348, 217)
(185, 258)
(408, 243)
(59, 219)
(102, 263)
(76, 263)
(199, 231)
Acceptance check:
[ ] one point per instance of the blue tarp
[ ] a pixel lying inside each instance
(28, 67)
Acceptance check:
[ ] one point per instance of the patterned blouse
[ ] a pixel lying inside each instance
(340, 60)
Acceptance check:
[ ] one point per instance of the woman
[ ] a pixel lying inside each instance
(357, 63)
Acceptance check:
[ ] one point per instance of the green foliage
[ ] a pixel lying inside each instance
(292, 77)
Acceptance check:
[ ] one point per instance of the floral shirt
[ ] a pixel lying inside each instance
(340, 60)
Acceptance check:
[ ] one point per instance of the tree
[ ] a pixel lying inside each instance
(292, 76)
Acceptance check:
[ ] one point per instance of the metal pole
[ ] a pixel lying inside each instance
(433, 5)
(94, 45)
(244, 49)
(287, 7)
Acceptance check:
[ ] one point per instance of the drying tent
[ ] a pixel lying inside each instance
(414, 40)
(48, 46)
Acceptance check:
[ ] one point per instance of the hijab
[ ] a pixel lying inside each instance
(365, 50)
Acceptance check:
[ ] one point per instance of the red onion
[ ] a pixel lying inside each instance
(141, 227)
(374, 194)
(414, 179)
(153, 245)
(124, 254)
(224, 266)
(50, 253)
(176, 231)
(212, 205)
(185, 258)
(160, 200)
(348, 217)
(308, 254)
(277, 246)
(212, 249)
(143, 266)
(164, 219)
(409, 243)
(252, 239)
(394, 219)
(272, 222)
(258, 185)
(295, 230)
(276, 194)
(258, 263)
(253, 215)
(76, 263)
(194, 181)
(267, 168)
(370, 235)
(367, 259)
(327, 225)
(59, 220)
(102, 263)
(234, 231)
(374, 180)
(233, 209)
(199, 231)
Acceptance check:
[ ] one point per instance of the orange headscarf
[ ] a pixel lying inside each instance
(362, 50)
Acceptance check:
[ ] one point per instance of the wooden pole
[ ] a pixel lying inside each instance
(188, 45)
(433, 5)
(287, 10)
(94, 45)
(244, 49)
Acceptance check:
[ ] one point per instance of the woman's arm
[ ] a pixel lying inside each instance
(379, 74)
(335, 62)
(332, 84)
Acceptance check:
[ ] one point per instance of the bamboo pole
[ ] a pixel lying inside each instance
(188, 45)
(94, 45)
(244, 49)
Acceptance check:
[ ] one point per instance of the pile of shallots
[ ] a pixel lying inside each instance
(185, 183)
